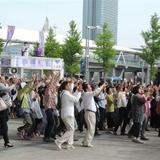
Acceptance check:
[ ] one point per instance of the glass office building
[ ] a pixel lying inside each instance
(96, 13)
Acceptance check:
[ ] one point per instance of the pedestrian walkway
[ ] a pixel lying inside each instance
(106, 146)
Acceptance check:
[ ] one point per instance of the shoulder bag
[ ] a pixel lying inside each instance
(3, 106)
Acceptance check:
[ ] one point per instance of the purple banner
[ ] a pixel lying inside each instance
(10, 33)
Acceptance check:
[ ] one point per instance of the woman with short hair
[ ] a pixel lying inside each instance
(67, 114)
(137, 112)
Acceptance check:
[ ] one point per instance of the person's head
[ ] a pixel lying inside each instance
(109, 90)
(10, 81)
(118, 88)
(79, 85)
(137, 89)
(71, 84)
(100, 84)
(65, 86)
(86, 87)
(2, 79)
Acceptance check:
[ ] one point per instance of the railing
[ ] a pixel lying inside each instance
(136, 63)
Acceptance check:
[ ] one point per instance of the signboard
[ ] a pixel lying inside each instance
(32, 62)
(6, 62)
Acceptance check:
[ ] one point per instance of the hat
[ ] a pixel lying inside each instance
(23, 84)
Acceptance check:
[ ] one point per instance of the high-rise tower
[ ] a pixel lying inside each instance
(97, 12)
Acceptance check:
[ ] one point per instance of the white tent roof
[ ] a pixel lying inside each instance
(25, 35)
(21, 35)
(120, 48)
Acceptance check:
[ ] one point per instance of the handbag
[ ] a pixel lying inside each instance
(3, 106)
(7, 100)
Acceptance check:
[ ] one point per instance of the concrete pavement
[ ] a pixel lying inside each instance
(106, 146)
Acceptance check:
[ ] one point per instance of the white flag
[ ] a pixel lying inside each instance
(41, 41)
(46, 25)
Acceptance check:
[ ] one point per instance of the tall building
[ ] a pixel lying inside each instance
(96, 13)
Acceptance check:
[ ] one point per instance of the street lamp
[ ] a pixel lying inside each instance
(88, 28)
(142, 70)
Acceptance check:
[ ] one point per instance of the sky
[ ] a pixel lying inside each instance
(133, 16)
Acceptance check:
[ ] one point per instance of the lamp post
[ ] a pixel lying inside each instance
(142, 70)
(88, 28)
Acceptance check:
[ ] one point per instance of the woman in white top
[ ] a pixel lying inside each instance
(67, 114)
(121, 110)
(36, 111)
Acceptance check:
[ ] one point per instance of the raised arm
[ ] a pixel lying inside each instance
(5, 88)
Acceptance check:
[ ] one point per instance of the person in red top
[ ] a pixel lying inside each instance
(50, 102)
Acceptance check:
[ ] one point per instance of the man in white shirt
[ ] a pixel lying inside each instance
(90, 110)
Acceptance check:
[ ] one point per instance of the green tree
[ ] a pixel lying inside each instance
(71, 47)
(151, 49)
(1, 43)
(104, 50)
(52, 47)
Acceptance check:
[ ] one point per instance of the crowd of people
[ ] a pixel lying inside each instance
(54, 108)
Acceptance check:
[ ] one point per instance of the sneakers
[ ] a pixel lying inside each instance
(69, 146)
(115, 133)
(137, 140)
(58, 144)
(123, 134)
(147, 129)
(130, 136)
(144, 138)
(90, 145)
(87, 145)
(26, 137)
(20, 135)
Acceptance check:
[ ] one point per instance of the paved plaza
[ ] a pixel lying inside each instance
(106, 146)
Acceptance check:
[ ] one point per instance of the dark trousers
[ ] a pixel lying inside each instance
(102, 112)
(4, 126)
(44, 122)
(97, 121)
(28, 124)
(110, 119)
(122, 119)
(50, 123)
(80, 120)
(37, 126)
(135, 129)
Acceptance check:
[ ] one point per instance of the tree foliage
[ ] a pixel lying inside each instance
(52, 47)
(1, 43)
(71, 47)
(104, 51)
(151, 49)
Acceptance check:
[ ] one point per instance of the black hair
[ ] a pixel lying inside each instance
(6, 77)
(135, 89)
(63, 85)
(85, 86)
(107, 90)
(100, 84)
